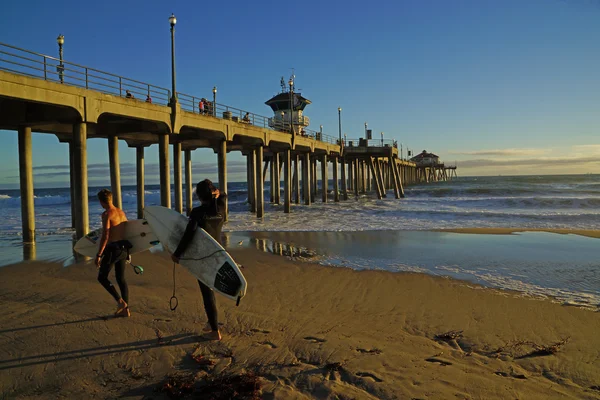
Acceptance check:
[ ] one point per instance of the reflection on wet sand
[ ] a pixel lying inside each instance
(282, 249)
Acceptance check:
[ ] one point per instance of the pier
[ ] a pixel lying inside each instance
(43, 94)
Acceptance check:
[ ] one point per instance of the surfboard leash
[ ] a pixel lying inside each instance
(173, 307)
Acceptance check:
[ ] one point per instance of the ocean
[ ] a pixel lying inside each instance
(395, 233)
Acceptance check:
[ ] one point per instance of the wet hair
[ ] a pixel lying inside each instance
(105, 196)
(204, 190)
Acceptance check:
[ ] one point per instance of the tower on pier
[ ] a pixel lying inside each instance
(288, 107)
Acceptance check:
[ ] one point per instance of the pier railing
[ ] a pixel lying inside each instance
(29, 63)
(24, 62)
(370, 143)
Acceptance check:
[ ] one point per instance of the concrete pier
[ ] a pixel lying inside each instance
(82, 219)
(26, 181)
(222, 171)
(139, 172)
(260, 195)
(165, 173)
(115, 170)
(177, 177)
(252, 179)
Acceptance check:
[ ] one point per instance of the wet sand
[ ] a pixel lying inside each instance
(593, 233)
(305, 330)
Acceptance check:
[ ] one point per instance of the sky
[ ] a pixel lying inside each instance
(498, 87)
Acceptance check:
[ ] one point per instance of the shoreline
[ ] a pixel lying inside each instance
(592, 233)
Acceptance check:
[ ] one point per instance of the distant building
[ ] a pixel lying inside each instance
(424, 159)
(285, 112)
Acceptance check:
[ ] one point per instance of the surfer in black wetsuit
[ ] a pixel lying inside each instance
(112, 250)
(208, 217)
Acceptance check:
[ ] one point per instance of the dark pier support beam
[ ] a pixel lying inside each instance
(356, 174)
(296, 180)
(276, 179)
(165, 173)
(252, 179)
(72, 182)
(139, 172)
(350, 175)
(394, 177)
(82, 219)
(377, 187)
(222, 171)
(324, 183)
(306, 172)
(343, 179)
(189, 197)
(115, 170)
(287, 181)
(398, 179)
(313, 179)
(177, 177)
(260, 195)
(26, 183)
(271, 178)
(336, 186)
(379, 177)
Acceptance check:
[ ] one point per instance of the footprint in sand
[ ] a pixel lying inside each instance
(372, 351)
(259, 331)
(315, 339)
(369, 375)
(269, 344)
(438, 360)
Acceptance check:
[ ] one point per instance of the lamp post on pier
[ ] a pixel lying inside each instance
(342, 158)
(214, 107)
(61, 67)
(291, 83)
(172, 22)
(381, 139)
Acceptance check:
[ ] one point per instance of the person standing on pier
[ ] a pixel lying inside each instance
(113, 251)
(208, 217)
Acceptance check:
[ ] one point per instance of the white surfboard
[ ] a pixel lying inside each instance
(204, 257)
(137, 231)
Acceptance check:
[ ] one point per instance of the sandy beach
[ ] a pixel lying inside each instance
(303, 330)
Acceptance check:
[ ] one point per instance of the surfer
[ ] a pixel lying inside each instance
(112, 250)
(208, 217)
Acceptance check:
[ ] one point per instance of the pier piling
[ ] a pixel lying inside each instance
(26, 181)
(139, 172)
(115, 170)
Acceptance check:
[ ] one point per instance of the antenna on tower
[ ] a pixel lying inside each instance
(283, 85)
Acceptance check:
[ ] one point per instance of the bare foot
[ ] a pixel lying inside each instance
(213, 335)
(123, 313)
(121, 306)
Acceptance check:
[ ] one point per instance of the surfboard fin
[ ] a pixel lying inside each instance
(237, 303)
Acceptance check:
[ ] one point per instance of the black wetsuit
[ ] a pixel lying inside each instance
(115, 254)
(209, 218)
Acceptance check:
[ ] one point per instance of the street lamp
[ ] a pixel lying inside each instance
(291, 83)
(214, 101)
(366, 136)
(340, 125)
(61, 67)
(283, 121)
(381, 139)
(172, 22)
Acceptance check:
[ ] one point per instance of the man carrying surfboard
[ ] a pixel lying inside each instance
(208, 217)
(112, 250)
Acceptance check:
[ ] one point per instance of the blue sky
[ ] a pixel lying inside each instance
(500, 87)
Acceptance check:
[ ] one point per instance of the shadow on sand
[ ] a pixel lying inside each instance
(174, 340)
